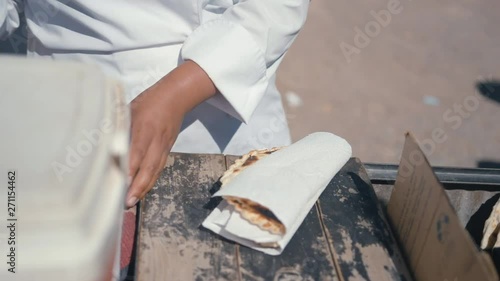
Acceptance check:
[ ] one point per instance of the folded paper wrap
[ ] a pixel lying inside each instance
(287, 182)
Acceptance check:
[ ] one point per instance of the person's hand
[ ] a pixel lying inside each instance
(157, 115)
(155, 125)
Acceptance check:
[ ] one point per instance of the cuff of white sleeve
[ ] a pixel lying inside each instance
(235, 63)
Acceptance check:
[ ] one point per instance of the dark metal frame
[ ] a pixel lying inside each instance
(450, 177)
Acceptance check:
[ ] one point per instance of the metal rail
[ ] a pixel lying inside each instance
(451, 178)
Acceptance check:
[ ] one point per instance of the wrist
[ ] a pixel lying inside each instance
(187, 86)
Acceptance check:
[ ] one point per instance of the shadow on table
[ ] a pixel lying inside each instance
(214, 201)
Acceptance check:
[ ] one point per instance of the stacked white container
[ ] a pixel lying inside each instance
(65, 136)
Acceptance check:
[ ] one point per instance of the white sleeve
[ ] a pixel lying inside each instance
(241, 50)
(9, 16)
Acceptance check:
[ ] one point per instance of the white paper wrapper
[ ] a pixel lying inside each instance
(287, 182)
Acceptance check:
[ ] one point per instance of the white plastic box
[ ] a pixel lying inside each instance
(64, 131)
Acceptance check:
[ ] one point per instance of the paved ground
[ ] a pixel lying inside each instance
(425, 63)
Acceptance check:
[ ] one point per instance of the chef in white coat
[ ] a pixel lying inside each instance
(199, 74)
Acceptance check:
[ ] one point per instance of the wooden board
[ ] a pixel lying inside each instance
(361, 239)
(339, 240)
(172, 245)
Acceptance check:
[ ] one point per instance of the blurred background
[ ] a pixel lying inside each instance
(428, 59)
(371, 70)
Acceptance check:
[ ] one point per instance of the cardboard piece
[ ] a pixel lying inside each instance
(436, 245)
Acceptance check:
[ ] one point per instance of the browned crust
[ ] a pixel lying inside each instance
(491, 229)
(257, 214)
(244, 162)
(249, 210)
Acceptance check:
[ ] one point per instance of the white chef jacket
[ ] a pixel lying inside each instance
(238, 43)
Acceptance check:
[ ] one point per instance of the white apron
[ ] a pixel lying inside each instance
(239, 44)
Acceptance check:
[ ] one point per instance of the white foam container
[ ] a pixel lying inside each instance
(70, 183)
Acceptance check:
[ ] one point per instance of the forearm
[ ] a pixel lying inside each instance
(186, 87)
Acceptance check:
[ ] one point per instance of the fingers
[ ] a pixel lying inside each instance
(155, 176)
(138, 148)
(147, 173)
